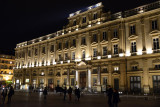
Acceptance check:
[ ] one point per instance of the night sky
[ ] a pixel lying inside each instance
(24, 20)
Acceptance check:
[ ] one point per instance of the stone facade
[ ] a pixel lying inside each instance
(94, 50)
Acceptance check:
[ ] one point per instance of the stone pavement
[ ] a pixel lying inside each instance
(21, 99)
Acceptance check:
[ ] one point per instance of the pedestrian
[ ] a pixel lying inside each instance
(45, 93)
(4, 94)
(116, 98)
(110, 93)
(70, 93)
(75, 92)
(10, 94)
(78, 94)
(64, 92)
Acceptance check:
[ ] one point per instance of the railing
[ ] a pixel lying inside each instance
(154, 69)
(118, 72)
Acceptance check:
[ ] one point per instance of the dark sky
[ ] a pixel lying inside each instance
(23, 20)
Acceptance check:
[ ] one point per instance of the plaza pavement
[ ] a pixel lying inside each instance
(23, 99)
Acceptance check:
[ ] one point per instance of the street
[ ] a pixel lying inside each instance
(23, 99)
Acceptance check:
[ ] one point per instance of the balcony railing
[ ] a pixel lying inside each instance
(151, 69)
(118, 72)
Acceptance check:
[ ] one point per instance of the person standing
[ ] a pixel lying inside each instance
(70, 93)
(110, 93)
(78, 94)
(116, 98)
(4, 94)
(10, 93)
(64, 92)
(45, 93)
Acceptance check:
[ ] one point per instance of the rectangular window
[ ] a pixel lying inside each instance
(94, 71)
(73, 55)
(66, 56)
(95, 38)
(66, 44)
(94, 81)
(132, 30)
(72, 81)
(65, 81)
(134, 68)
(156, 43)
(115, 33)
(27, 80)
(52, 48)
(74, 23)
(95, 52)
(84, 20)
(29, 53)
(36, 51)
(74, 42)
(95, 16)
(83, 42)
(59, 57)
(115, 49)
(116, 68)
(156, 83)
(154, 25)
(133, 46)
(58, 82)
(104, 36)
(59, 46)
(83, 54)
(104, 80)
(157, 66)
(104, 70)
(104, 51)
(43, 50)
(135, 83)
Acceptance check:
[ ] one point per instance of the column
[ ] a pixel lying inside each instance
(99, 79)
(110, 74)
(68, 78)
(145, 79)
(89, 80)
(77, 79)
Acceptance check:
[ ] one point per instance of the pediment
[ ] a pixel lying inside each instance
(115, 40)
(155, 32)
(132, 37)
(81, 63)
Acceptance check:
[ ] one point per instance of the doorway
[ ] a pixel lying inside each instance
(82, 79)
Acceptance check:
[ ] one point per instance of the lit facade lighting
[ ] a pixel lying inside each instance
(98, 22)
(149, 51)
(68, 61)
(109, 56)
(77, 60)
(98, 57)
(77, 29)
(89, 25)
(139, 53)
(54, 63)
(121, 54)
(128, 54)
(88, 58)
(61, 62)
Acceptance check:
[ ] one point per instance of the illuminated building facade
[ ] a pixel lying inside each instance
(96, 49)
(6, 69)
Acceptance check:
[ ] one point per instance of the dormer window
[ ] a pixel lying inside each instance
(84, 20)
(95, 16)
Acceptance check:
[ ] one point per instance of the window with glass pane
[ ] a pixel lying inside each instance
(94, 71)
(58, 82)
(73, 55)
(52, 48)
(72, 81)
(59, 46)
(115, 49)
(94, 52)
(29, 53)
(115, 33)
(95, 38)
(66, 56)
(104, 51)
(104, 35)
(65, 81)
(59, 57)
(104, 70)
(74, 23)
(104, 80)
(74, 42)
(135, 83)
(43, 50)
(84, 20)
(134, 67)
(94, 81)
(132, 30)
(83, 41)
(66, 44)
(154, 25)
(83, 54)
(95, 16)
(156, 83)
(36, 52)
(133, 46)
(157, 66)
(156, 43)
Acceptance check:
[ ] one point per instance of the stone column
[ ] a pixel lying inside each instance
(68, 78)
(77, 79)
(99, 79)
(89, 80)
(145, 78)
(110, 74)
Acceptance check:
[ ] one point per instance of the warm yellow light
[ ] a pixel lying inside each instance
(6, 78)
(139, 52)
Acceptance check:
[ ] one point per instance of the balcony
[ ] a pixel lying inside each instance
(116, 72)
(154, 69)
(135, 70)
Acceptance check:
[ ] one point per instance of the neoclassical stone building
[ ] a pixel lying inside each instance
(96, 49)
